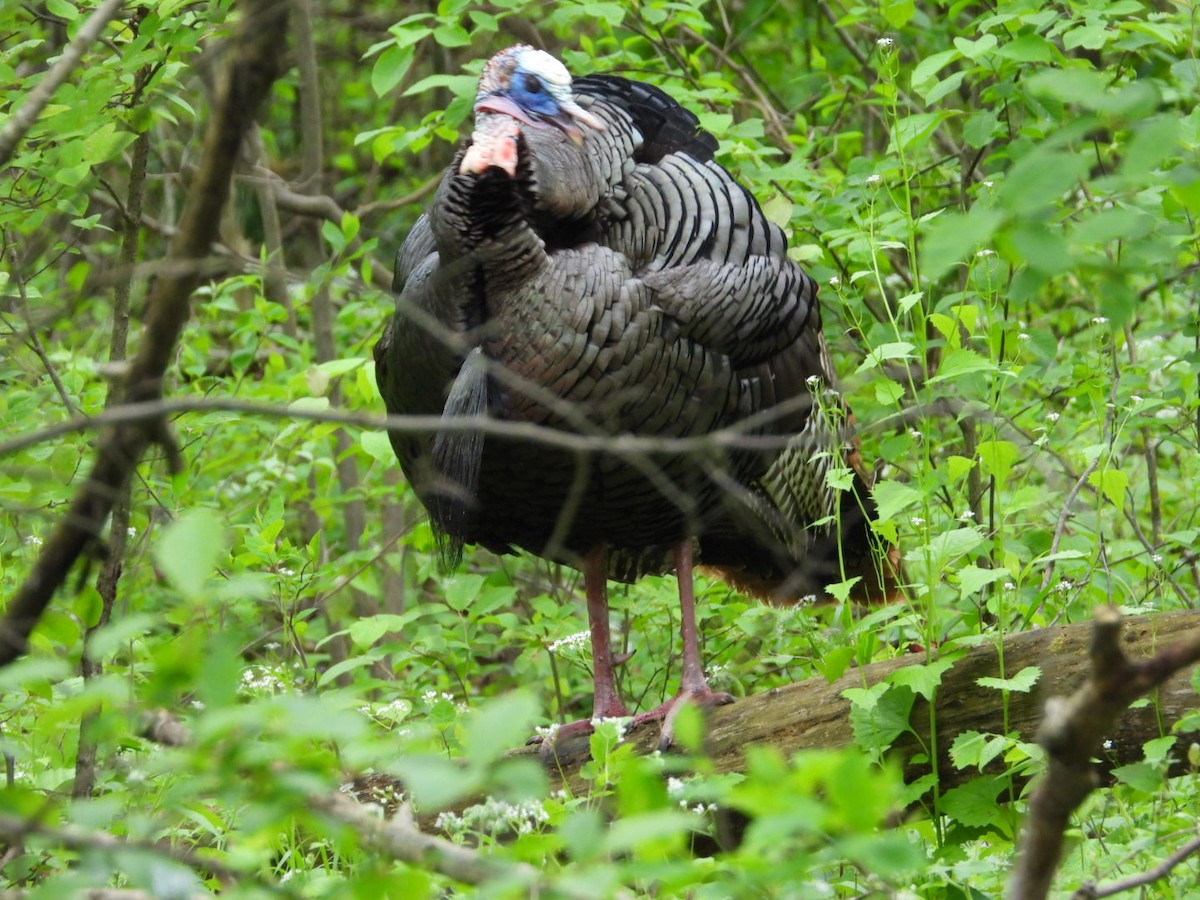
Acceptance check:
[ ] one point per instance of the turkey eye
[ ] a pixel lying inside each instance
(532, 84)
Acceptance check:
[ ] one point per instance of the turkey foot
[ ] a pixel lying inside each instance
(704, 697)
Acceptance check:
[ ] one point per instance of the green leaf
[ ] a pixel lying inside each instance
(893, 497)
(391, 67)
(922, 679)
(1112, 483)
(954, 237)
(892, 350)
(877, 727)
(1141, 776)
(974, 803)
(188, 550)
(897, 12)
(996, 458)
(498, 725)
(972, 579)
(924, 71)
(948, 546)
(1022, 682)
(960, 361)
(976, 49)
(1040, 179)
(1029, 48)
(378, 445)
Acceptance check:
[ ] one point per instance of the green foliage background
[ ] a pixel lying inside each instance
(1000, 201)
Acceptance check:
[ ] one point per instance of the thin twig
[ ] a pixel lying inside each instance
(1162, 870)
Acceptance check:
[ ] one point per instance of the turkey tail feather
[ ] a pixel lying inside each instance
(457, 456)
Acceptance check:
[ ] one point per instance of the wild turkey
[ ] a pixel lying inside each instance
(586, 266)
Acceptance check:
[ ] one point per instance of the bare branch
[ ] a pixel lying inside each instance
(1162, 870)
(1071, 733)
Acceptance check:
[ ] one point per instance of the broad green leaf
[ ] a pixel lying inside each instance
(974, 803)
(948, 546)
(972, 578)
(897, 12)
(996, 458)
(876, 728)
(188, 550)
(923, 679)
(960, 361)
(378, 446)
(893, 497)
(390, 68)
(954, 237)
(500, 724)
(1112, 483)
(1141, 776)
(1022, 682)
(892, 350)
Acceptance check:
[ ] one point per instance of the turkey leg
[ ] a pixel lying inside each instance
(693, 686)
(606, 702)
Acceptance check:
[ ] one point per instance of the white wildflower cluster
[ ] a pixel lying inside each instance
(1100, 320)
(835, 281)
(988, 184)
(131, 531)
(874, 181)
(572, 643)
(1053, 417)
(493, 817)
(984, 253)
(1156, 558)
(807, 600)
(885, 43)
(677, 788)
(387, 713)
(267, 680)
(1136, 400)
(33, 540)
(619, 723)
(966, 516)
(1024, 336)
(915, 435)
(547, 732)
(1065, 585)
(717, 673)
(916, 521)
(813, 381)
(431, 697)
(1009, 586)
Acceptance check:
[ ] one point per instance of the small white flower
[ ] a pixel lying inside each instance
(547, 732)
(33, 541)
(807, 600)
(1156, 557)
(1053, 417)
(987, 184)
(834, 281)
(874, 180)
(1009, 586)
(1100, 320)
(131, 531)
(674, 786)
(966, 515)
(1024, 336)
(571, 642)
(1063, 586)
(813, 380)
(1108, 744)
(1136, 400)
(885, 43)
(984, 253)
(914, 434)
(916, 521)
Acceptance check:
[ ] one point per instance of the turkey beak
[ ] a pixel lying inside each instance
(578, 114)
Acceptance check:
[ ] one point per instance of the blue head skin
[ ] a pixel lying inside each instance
(521, 86)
